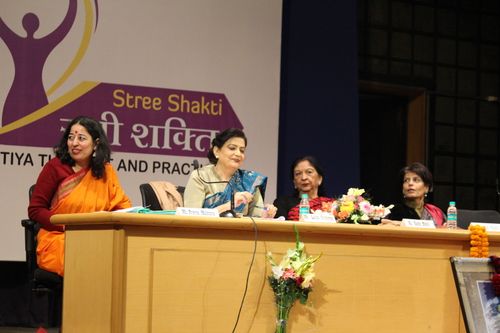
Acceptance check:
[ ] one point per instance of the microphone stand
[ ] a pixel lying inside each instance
(227, 213)
(230, 212)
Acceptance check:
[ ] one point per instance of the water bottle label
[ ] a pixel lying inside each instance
(303, 210)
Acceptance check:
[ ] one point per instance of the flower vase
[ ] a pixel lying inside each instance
(283, 312)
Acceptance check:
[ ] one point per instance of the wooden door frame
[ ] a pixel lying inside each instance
(416, 139)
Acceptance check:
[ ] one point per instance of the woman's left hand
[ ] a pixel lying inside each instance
(387, 222)
(269, 211)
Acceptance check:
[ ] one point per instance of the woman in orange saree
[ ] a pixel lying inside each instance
(79, 179)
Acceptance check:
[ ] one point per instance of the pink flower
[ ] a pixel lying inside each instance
(289, 274)
(365, 207)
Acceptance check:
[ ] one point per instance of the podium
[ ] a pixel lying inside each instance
(129, 272)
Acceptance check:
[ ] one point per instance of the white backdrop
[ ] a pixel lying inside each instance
(231, 47)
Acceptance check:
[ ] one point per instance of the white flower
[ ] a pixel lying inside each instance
(308, 277)
(365, 217)
(277, 272)
(355, 191)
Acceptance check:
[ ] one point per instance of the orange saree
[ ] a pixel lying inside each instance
(78, 193)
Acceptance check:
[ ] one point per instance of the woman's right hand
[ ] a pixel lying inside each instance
(242, 198)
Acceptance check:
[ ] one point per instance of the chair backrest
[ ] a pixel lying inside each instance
(161, 195)
(38, 275)
(36, 226)
(181, 189)
(30, 230)
(466, 216)
(46, 286)
(30, 191)
(149, 199)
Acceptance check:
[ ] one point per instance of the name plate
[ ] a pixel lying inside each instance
(185, 211)
(495, 227)
(318, 218)
(429, 224)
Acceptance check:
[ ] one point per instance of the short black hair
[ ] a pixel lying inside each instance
(419, 169)
(315, 164)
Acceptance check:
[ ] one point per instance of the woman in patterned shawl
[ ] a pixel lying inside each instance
(222, 181)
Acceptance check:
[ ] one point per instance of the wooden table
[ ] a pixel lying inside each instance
(127, 272)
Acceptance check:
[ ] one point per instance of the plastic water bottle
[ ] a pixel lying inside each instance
(451, 216)
(304, 207)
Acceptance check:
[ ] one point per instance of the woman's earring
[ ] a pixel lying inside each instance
(425, 195)
(93, 154)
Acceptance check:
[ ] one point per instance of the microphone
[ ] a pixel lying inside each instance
(227, 213)
(196, 165)
(230, 212)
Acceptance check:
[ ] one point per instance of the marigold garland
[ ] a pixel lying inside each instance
(479, 245)
(479, 248)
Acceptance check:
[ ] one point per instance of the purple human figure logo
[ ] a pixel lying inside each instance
(27, 92)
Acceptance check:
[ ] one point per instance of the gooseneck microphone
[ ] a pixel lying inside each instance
(196, 165)
(227, 213)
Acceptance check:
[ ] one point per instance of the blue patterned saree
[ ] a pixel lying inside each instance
(241, 181)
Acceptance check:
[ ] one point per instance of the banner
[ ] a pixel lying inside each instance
(162, 76)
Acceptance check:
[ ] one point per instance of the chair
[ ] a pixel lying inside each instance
(46, 287)
(149, 198)
(466, 216)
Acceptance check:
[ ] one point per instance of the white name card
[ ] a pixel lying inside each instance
(318, 218)
(414, 223)
(495, 227)
(186, 211)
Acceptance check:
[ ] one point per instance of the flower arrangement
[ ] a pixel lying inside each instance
(291, 280)
(495, 279)
(353, 207)
(479, 245)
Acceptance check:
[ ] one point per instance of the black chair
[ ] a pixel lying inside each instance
(149, 198)
(466, 216)
(46, 287)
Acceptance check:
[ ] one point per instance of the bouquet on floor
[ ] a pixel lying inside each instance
(291, 280)
(354, 207)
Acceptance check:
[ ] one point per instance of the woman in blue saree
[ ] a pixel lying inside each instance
(213, 185)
